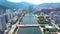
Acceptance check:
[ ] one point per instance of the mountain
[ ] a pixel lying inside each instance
(50, 5)
(15, 5)
(3, 7)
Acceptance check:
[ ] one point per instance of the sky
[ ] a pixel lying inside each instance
(36, 1)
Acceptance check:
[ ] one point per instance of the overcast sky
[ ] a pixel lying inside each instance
(36, 1)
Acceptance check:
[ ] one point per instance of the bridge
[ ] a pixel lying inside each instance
(26, 25)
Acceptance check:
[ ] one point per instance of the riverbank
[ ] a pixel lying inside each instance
(40, 24)
(20, 19)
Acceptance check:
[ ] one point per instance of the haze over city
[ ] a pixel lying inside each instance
(35, 1)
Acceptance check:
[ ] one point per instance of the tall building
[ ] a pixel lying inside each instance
(30, 8)
(55, 16)
(57, 19)
(2, 20)
(9, 14)
(2, 23)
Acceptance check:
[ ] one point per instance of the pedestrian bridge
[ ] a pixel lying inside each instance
(23, 25)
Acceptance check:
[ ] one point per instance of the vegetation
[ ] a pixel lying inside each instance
(15, 30)
(10, 26)
(49, 30)
(42, 20)
(37, 12)
(22, 17)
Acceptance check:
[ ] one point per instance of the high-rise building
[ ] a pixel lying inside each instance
(55, 16)
(2, 23)
(57, 19)
(30, 8)
(9, 14)
(2, 20)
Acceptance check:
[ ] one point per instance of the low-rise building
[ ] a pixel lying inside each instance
(50, 29)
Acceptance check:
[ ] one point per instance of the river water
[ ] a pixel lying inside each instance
(29, 19)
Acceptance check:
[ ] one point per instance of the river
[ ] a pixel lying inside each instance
(29, 19)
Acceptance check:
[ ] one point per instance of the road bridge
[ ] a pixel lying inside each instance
(24, 25)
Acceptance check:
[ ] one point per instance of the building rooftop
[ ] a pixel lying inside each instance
(47, 26)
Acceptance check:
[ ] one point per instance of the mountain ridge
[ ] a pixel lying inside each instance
(50, 5)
